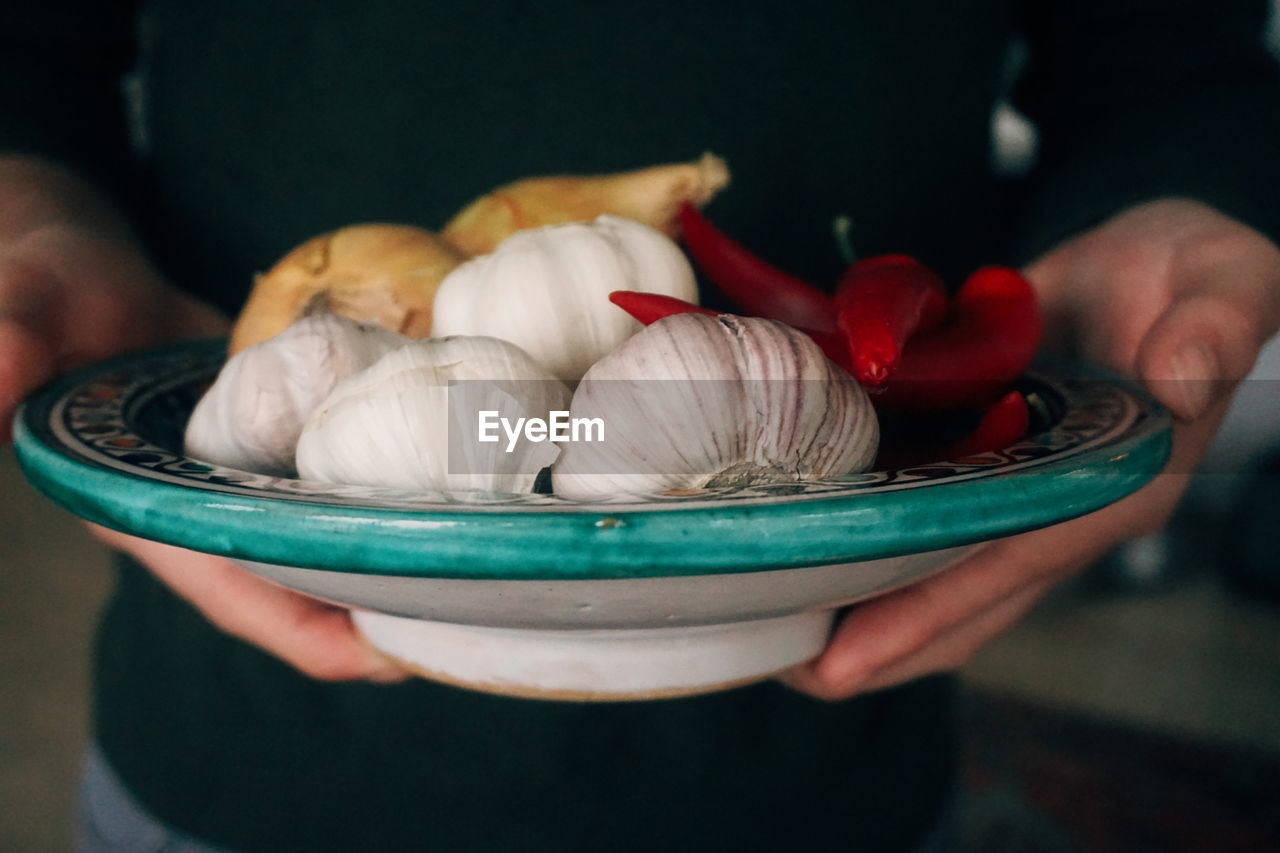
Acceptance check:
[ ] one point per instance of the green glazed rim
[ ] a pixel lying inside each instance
(103, 443)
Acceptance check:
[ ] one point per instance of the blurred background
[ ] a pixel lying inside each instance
(1137, 708)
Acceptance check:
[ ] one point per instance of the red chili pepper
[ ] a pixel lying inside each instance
(831, 344)
(752, 283)
(911, 440)
(989, 340)
(651, 307)
(1004, 422)
(881, 303)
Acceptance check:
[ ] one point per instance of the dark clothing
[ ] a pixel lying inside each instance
(260, 124)
(264, 123)
(230, 745)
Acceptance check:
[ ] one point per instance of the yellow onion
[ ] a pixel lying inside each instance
(383, 275)
(652, 196)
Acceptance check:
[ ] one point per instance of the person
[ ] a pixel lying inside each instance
(233, 713)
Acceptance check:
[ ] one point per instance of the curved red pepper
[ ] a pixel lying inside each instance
(881, 303)
(909, 442)
(989, 341)
(1004, 422)
(651, 307)
(751, 282)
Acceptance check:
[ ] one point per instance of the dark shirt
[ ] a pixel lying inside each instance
(255, 125)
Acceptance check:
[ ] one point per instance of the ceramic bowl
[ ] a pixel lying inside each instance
(535, 595)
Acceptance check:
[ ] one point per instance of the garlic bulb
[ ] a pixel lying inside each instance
(547, 290)
(412, 420)
(384, 275)
(697, 401)
(251, 417)
(652, 196)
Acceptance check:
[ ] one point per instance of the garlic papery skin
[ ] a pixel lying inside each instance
(696, 402)
(391, 425)
(652, 196)
(251, 417)
(547, 290)
(380, 274)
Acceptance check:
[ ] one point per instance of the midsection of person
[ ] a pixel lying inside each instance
(262, 124)
(266, 123)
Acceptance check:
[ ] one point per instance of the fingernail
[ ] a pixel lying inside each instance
(387, 671)
(389, 675)
(1194, 370)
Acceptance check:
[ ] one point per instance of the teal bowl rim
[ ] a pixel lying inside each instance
(599, 541)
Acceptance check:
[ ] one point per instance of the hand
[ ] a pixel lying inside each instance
(1171, 292)
(314, 638)
(75, 289)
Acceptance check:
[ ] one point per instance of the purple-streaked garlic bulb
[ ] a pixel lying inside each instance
(697, 401)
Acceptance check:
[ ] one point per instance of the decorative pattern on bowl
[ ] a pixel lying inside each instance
(534, 595)
(131, 421)
(106, 444)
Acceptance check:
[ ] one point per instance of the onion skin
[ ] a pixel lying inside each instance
(378, 274)
(652, 196)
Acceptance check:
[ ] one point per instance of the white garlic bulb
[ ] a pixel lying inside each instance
(697, 401)
(547, 290)
(251, 417)
(411, 421)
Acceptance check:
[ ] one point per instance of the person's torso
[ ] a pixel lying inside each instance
(263, 124)
(267, 123)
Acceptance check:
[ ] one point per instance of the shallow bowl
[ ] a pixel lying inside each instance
(534, 595)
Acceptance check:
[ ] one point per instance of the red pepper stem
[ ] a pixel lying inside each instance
(842, 230)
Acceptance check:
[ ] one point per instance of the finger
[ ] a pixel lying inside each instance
(27, 359)
(1073, 280)
(954, 648)
(35, 333)
(1197, 351)
(93, 297)
(26, 362)
(117, 304)
(946, 651)
(315, 638)
(895, 626)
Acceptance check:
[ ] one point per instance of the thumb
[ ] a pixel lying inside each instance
(27, 356)
(26, 362)
(315, 638)
(1198, 350)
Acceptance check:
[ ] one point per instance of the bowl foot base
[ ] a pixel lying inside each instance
(598, 665)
